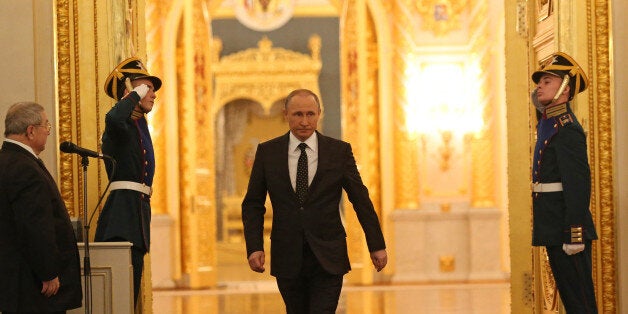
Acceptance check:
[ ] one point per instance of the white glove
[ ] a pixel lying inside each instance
(572, 249)
(141, 90)
(535, 102)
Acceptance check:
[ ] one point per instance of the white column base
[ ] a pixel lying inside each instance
(161, 251)
(461, 244)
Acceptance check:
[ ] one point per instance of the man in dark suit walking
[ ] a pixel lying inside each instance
(304, 173)
(39, 256)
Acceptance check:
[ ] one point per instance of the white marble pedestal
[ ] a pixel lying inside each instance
(162, 251)
(459, 244)
(111, 278)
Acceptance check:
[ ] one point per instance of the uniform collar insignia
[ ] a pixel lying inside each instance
(555, 111)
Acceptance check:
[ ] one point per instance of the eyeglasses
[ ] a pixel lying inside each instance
(48, 126)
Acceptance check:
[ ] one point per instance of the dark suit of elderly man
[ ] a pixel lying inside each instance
(39, 256)
(304, 173)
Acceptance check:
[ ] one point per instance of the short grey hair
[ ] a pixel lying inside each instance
(20, 115)
(304, 92)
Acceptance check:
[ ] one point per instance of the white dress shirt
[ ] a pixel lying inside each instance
(293, 157)
(28, 148)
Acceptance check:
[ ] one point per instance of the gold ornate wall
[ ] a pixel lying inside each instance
(376, 37)
(582, 29)
(105, 33)
(360, 122)
(82, 104)
(82, 100)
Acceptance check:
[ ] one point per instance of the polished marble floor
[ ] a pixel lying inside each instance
(262, 297)
(242, 291)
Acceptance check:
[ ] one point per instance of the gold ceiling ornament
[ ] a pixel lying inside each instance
(441, 16)
(264, 15)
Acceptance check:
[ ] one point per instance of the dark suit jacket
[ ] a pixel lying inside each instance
(318, 220)
(37, 242)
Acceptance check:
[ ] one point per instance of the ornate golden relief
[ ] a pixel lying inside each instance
(601, 151)
(550, 292)
(204, 207)
(441, 16)
(447, 263)
(65, 102)
(265, 74)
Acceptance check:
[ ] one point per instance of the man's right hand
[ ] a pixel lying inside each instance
(50, 287)
(256, 261)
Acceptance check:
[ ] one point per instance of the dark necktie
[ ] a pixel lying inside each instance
(301, 185)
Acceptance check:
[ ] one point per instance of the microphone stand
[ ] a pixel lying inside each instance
(87, 272)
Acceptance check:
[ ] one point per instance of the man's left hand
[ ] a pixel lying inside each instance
(380, 259)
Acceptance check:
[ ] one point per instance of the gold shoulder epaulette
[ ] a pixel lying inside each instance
(555, 111)
(565, 119)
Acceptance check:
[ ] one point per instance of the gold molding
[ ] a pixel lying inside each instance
(601, 154)
(64, 87)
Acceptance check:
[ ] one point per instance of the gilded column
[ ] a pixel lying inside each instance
(406, 147)
(205, 206)
(483, 145)
(196, 161)
(360, 121)
(187, 152)
(155, 12)
(351, 116)
(64, 76)
(600, 137)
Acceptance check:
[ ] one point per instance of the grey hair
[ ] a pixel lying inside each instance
(20, 115)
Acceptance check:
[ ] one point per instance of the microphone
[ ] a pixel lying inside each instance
(69, 147)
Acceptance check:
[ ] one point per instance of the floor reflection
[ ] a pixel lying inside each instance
(261, 297)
